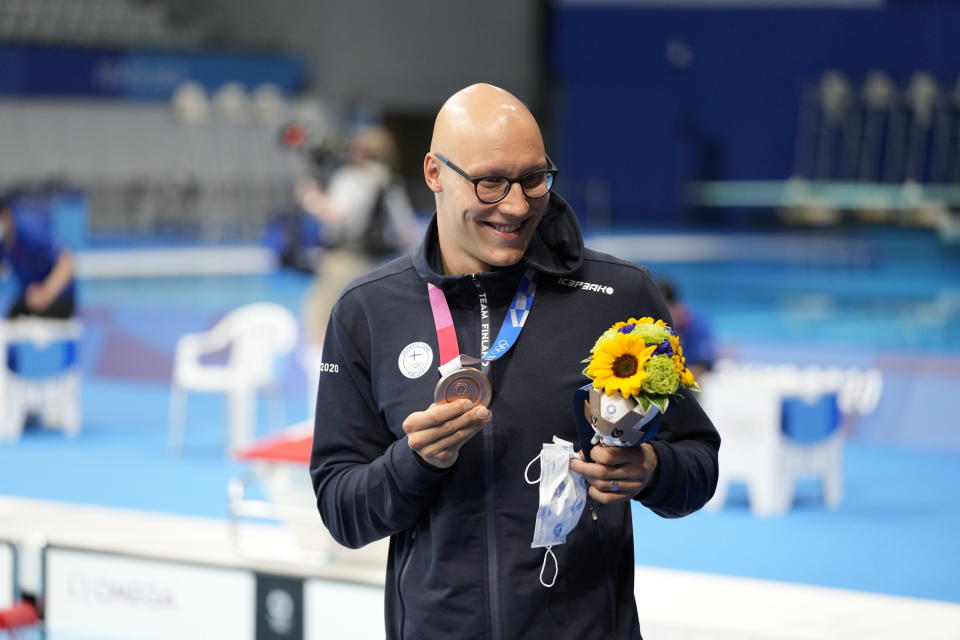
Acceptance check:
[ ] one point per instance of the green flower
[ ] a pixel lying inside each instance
(651, 333)
(662, 376)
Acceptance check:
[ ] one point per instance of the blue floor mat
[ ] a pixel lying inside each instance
(894, 533)
(122, 458)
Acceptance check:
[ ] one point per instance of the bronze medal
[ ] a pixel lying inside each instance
(465, 383)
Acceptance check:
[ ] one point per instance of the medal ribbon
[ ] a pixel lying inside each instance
(509, 331)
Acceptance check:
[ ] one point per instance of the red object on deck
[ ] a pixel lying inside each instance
(284, 448)
(21, 614)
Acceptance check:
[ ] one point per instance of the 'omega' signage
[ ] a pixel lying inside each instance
(118, 596)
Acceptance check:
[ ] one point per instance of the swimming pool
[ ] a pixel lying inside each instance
(900, 292)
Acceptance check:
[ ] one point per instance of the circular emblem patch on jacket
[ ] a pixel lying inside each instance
(415, 359)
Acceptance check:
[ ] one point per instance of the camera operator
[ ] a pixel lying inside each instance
(365, 216)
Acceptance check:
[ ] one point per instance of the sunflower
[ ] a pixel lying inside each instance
(678, 358)
(618, 364)
(680, 362)
(619, 325)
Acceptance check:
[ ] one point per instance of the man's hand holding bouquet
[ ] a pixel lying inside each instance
(635, 366)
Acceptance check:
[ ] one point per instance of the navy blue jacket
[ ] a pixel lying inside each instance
(460, 562)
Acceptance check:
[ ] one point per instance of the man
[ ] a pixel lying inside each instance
(446, 480)
(44, 271)
(366, 217)
(692, 328)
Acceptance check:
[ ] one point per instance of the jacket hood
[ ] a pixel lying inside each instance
(555, 249)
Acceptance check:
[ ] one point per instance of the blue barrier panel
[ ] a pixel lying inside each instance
(137, 75)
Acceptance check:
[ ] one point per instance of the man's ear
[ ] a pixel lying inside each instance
(431, 173)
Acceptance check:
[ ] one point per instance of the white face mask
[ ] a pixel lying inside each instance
(563, 494)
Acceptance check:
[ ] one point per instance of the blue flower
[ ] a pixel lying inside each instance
(544, 512)
(663, 348)
(576, 506)
(558, 531)
(627, 328)
(563, 485)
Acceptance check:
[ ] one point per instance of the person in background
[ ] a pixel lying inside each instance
(695, 333)
(445, 478)
(44, 271)
(365, 217)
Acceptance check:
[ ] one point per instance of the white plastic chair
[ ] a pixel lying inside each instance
(257, 335)
(56, 397)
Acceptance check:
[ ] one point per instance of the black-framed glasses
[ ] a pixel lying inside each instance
(493, 189)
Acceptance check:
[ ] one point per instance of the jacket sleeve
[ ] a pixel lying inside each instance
(687, 444)
(368, 482)
(687, 448)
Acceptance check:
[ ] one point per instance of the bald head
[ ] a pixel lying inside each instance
(483, 117)
(484, 132)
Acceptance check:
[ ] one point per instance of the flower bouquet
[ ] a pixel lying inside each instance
(635, 367)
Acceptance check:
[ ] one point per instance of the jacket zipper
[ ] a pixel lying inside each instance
(610, 597)
(493, 573)
(403, 569)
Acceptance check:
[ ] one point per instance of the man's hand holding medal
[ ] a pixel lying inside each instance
(461, 396)
(437, 433)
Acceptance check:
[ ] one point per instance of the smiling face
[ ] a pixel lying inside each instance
(486, 132)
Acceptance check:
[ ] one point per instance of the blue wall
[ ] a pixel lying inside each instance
(625, 113)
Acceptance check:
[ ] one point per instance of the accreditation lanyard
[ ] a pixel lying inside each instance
(450, 357)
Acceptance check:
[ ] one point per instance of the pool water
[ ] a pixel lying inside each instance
(906, 297)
